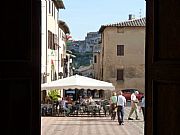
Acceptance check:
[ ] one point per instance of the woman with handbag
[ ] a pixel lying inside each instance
(113, 106)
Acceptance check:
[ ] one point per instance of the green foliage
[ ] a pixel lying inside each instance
(82, 59)
(53, 94)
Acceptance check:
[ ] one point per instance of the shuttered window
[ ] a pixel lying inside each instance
(53, 45)
(49, 39)
(62, 61)
(52, 8)
(120, 73)
(120, 50)
(52, 41)
(49, 7)
(55, 42)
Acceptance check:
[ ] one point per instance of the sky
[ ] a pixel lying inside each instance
(83, 16)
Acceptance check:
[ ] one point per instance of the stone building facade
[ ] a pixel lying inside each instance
(121, 59)
(55, 61)
(91, 40)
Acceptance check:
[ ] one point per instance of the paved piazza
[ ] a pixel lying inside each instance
(91, 125)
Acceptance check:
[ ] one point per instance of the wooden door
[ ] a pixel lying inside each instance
(162, 67)
(20, 67)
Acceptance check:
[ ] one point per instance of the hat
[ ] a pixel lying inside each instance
(114, 93)
(136, 92)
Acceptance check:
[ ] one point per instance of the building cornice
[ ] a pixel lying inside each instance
(130, 23)
(59, 4)
(64, 26)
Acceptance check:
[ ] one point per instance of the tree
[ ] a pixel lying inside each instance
(54, 94)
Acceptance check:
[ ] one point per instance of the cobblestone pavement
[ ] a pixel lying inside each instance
(91, 125)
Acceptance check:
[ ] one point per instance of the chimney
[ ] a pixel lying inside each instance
(131, 17)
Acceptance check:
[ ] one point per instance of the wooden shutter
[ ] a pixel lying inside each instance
(120, 50)
(162, 72)
(53, 46)
(49, 39)
(120, 73)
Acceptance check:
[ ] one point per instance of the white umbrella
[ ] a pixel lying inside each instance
(78, 82)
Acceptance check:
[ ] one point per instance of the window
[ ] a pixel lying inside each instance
(95, 59)
(120, 73)
(120, 50)
(52, 8)
(60, 34)
(49, 7)
(54, 13)
(49, 39)
(63, 37)
(62, 61)
(53, 43)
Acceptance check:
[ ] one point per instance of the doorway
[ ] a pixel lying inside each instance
(134, 74)
(20, 67)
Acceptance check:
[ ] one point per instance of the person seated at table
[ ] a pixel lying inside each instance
(69, 99)
(75, 106)
(81, 99)
(91, 101)
(105, 105)
(47, 100)
(64, 105)
(84, 101)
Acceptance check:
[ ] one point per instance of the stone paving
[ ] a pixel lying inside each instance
(91, 125)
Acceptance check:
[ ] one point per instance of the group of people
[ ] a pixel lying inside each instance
(67, 104)
(64, 102)
(86, 100)
(118, 102)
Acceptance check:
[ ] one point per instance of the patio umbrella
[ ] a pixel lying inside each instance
(78, 82)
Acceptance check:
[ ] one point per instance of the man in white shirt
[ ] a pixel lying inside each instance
(134, 106)
(121, 102)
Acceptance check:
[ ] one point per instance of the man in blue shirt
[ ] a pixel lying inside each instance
(121, 103)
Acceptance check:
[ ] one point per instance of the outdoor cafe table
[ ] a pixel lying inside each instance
(93, 108)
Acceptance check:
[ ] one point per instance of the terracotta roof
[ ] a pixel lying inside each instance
(63, 26)
(130, 23)
(59, 4)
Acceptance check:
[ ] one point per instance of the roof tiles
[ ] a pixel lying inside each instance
(130, 23)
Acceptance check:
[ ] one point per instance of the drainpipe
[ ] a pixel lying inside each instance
(102, 56)
(46, 41)
(58, 50)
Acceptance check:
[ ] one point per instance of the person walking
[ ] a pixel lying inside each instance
(121, 103)
(134, 105)
(113, 105)
(142, 107)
